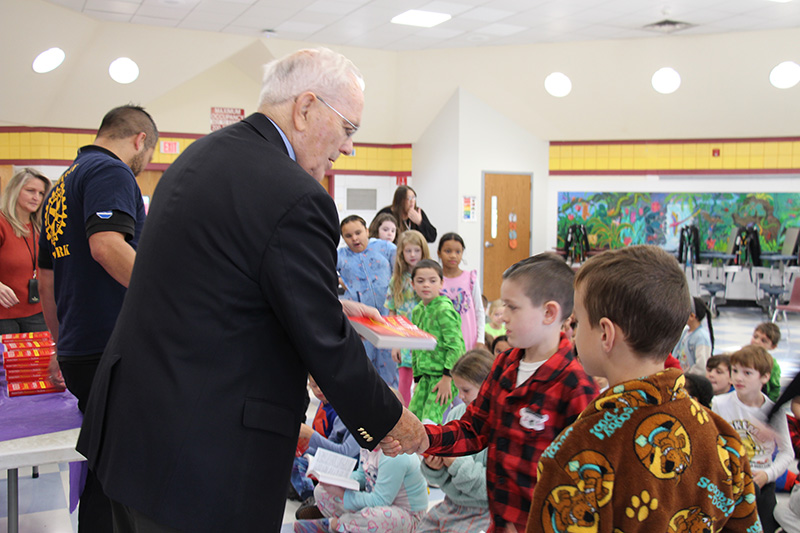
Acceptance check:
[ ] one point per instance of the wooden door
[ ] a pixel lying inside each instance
(504, 195)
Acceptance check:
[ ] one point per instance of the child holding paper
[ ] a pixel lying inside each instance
(393, 498)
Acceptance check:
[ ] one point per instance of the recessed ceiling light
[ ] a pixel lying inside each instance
(786, 75)
(48, 60)
(422, 19)
(123, 70)
(666, 80)
(558, 84)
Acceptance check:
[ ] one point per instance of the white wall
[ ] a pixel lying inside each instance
(435, 169)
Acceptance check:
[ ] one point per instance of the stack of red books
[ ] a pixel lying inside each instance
(25, 359)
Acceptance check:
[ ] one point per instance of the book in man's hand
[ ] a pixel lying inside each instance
(333, 468)
(396, 332)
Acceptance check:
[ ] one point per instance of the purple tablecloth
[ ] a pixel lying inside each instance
(26, 416)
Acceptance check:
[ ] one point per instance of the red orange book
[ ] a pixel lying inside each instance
(27, 358)
(34, 335)
(25, 388)
(396, 332)
(28, 344)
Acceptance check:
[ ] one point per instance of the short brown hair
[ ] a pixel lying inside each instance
(770, 331)
(545, 277)
(642, 290)
(427, 263)
(753, 356)
(718, 360)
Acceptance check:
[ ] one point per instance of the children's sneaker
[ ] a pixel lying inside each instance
(312, 526)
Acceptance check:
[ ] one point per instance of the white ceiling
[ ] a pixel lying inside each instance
(365, 23)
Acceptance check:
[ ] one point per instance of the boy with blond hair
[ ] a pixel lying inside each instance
(644, 456)
(746, 409)
(533, 391)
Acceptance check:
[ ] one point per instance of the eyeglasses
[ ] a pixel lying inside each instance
(353, 128)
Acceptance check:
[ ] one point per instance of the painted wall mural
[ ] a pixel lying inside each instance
(616, 219)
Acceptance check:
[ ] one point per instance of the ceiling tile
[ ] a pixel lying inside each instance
(299, 28)
(438, 6)
(499, 29)
(203, 26)
(104, 15)
(486, 14)
(227, 8)
(154, 21)
(329, 6)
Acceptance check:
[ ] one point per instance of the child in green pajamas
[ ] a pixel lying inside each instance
(436, 315)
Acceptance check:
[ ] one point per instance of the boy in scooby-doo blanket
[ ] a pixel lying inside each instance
(644, 456)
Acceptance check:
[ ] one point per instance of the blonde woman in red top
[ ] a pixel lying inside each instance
(20, 223)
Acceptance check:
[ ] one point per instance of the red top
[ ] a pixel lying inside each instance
(516, 424)
(16, 268)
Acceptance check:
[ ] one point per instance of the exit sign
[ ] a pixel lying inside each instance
(170, 147)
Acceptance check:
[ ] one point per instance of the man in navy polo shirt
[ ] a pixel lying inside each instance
(92, 221)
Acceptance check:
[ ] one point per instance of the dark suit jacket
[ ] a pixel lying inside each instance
(196, 405)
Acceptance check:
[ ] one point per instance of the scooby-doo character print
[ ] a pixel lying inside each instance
(690, 520)
(663, 446)
(632, 395)
(731, 455)
(575, 509)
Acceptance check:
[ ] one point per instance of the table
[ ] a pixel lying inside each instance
(58, 447)
(34, 430)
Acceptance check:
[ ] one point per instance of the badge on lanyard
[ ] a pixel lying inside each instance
(532, 420)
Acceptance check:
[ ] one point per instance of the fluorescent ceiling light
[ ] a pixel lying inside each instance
(123, 70)
(558, 84)
(48, 60)
(423, 19)
(666, 80)
(786, 75)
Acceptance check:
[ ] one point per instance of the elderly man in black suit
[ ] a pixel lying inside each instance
(197, 404)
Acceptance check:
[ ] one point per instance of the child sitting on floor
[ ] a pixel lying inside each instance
(768, 335)
(718, 372)
(393, 498)
(746, 409)
(462, 479)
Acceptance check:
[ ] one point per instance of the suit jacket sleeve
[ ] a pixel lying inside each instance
(298, 274)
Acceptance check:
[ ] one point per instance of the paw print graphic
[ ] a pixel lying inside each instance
(641, 506)
(699, 412)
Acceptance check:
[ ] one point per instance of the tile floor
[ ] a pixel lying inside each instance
(43, 501)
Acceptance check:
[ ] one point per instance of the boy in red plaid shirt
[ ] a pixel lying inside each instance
(534, 390)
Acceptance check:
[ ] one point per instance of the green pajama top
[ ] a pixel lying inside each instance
(440, 319)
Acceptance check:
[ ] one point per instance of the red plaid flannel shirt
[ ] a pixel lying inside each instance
(510, 421)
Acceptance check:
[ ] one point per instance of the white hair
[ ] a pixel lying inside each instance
(318, 70)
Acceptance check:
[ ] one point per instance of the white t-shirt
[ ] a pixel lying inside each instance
(748, 422)
(526, 370)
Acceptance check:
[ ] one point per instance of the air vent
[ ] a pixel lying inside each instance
(668, 26)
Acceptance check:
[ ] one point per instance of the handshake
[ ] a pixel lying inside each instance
(407, 436)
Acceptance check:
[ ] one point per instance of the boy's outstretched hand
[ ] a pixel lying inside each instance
(407, 436)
